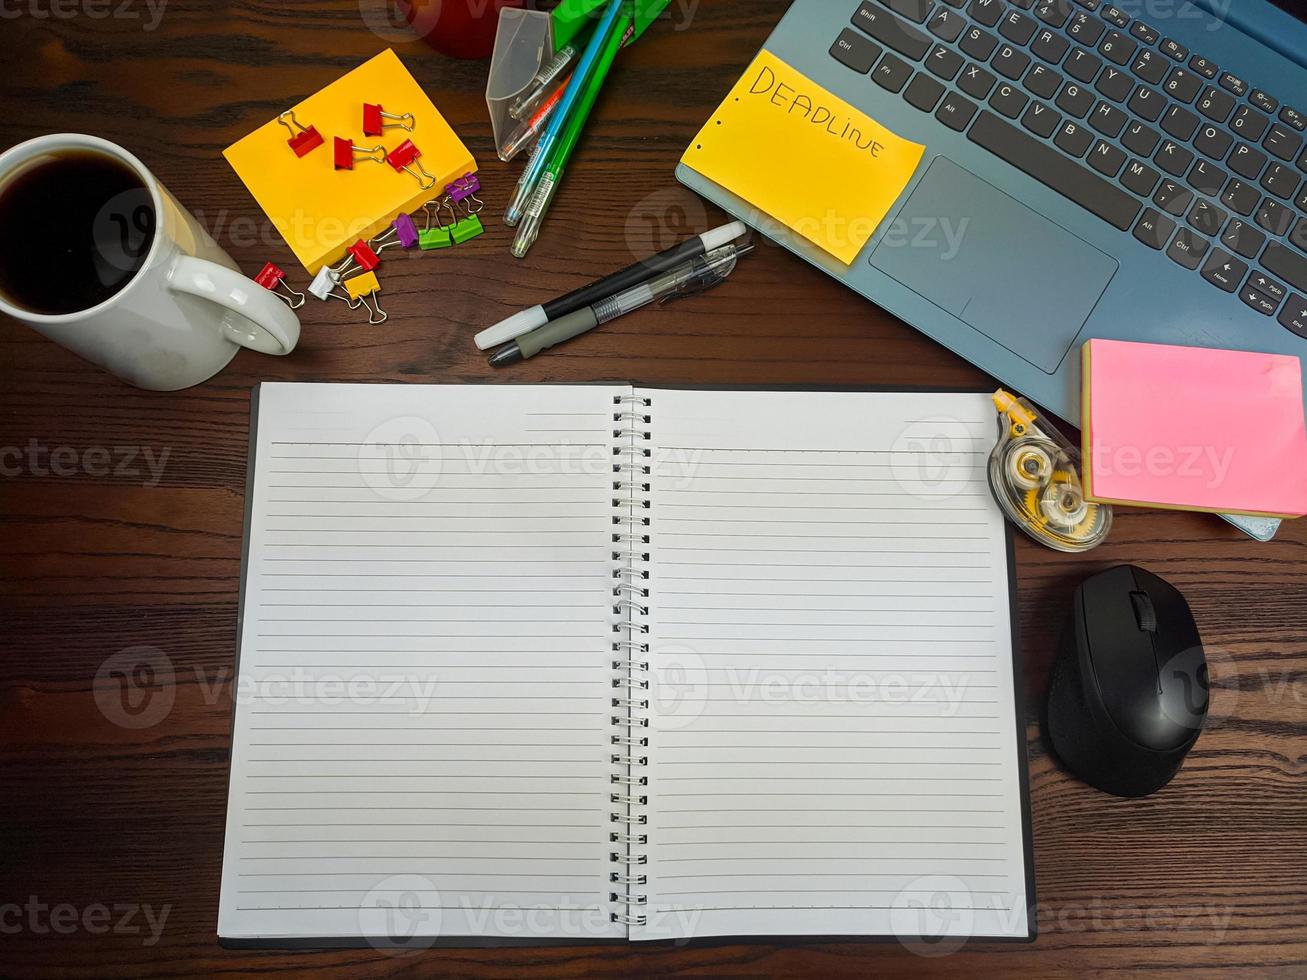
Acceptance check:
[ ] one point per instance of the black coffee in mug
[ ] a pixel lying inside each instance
(75, 228)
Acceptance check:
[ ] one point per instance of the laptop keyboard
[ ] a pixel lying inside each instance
(1154, 139)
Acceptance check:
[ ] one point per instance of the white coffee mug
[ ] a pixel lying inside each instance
(187, 311)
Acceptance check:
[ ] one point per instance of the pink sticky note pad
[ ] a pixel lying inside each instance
(1194, 429)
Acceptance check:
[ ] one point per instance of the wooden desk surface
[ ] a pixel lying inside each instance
(1209, 875)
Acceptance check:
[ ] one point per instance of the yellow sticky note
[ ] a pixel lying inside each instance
(364, 285)
(320, 210)
(804, 156)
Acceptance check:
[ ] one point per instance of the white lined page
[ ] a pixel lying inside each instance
(833, 740)
(421, 743)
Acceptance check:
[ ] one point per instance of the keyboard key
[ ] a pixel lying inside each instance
(1089, 4)
(1243, 239)
(1282, 142)
(1280, 181)
(976, 82)
(1259, 301)
(947, 26)
(1144, 33)
(1203, 67)
(855, 51)
(1224, 271)
(1054, 170)
(1301, 202)
(1216, 105)
(1082, 66)
(1299, 234)
(914, 10)
(1173, 198)
(1010, 62)
(1240, 197)
(1043, 82)
(1073, 139)
(1140, 139)
(955, 111)
(986, 12)
(1263, 283)
(1146, 104)
(1247, 162)
(1054, 13)
(891, 74)
(1174, 49)
(1150, 66)
(1232, 83)
(1289, 265)
(979, 44)
(944, 62)
(1115, 84)
(891, 31)
(1085, 29)
(1115, 15)
(1075, 100)
(1213, 142)
(1040, 119)
(1050, 47)
(1293, 118)
(1108, 120)
(1248, 123)
(1180, 122)
(1017, 27)
(1182, 85)
(1173, 158)
(1117, 48)
(1107, 159)
(1263, 101)
(1188, 248)
(924, 92)
(1207, 178)
(956, 3)
(1009, 100)
(1294, 315)
(1140, 178)
(1207, 218)
(1274, 217)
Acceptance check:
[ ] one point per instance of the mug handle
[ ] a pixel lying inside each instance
(268, 326)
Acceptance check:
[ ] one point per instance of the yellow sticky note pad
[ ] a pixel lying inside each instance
(320, 210)
(804, 156)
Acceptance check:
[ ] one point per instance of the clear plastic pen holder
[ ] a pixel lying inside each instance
(524, 44)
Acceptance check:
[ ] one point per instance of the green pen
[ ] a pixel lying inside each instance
(571, 135)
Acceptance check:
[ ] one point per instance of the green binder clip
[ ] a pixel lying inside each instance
(468, 229)
(441, 236)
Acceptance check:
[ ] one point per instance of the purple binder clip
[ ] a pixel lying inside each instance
(403, 233)
(464, 190)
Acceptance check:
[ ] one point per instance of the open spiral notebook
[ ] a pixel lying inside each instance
(571, 663)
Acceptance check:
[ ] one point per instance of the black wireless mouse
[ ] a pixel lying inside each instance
(1129, 693)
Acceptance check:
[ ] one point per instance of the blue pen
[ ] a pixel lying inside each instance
(527, 185)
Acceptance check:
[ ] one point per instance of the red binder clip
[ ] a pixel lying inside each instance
(374, 120)
(347, 154)
(303, 139)
(404, 157)
(361, 258)
(271, 277)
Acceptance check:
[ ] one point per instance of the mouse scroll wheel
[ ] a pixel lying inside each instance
(1144, 611)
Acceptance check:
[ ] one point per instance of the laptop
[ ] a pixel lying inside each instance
(1132, 170)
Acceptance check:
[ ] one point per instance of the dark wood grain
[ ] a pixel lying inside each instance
(1209, 877)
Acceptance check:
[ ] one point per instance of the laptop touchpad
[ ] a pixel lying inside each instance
(995, 264)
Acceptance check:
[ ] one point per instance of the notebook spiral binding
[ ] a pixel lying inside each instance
(632, 467)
